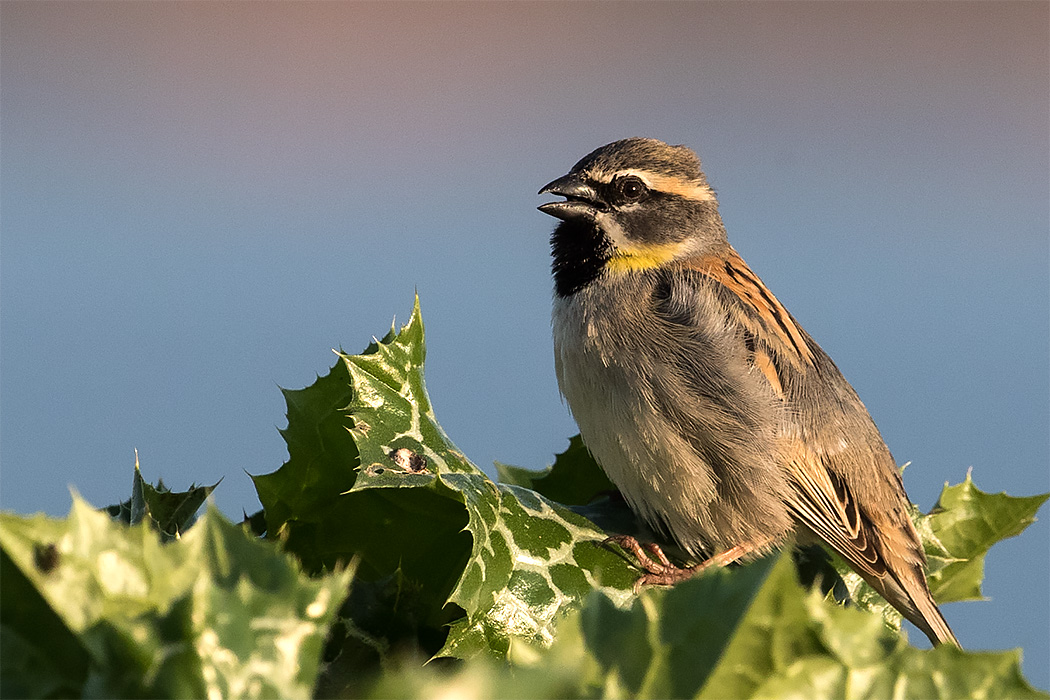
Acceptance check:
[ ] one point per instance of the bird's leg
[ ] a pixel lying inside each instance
(644, 556)
(655, 550)
(663, 572)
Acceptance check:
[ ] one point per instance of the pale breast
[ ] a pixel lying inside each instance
(603, 372)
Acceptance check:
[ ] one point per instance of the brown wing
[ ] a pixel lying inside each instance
(785, 355)
(829, 441)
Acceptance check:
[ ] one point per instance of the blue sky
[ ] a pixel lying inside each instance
(200, 200)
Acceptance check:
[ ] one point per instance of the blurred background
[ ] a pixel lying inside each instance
(200, 200)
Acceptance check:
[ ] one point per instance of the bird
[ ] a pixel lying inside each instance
(722, 423)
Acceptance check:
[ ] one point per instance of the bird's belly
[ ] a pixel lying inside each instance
(655, 468)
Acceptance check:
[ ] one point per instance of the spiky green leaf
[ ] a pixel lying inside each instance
(170, 512)
(475, 563)
(960, 530)
(214, 614)
(744, 632)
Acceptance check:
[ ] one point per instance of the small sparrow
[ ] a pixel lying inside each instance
(721, 421)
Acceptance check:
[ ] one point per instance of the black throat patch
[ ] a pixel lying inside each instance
(579, 251)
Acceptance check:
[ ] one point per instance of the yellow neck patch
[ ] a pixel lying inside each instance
(643, 257)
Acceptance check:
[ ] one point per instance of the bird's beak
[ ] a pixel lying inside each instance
(581, 201)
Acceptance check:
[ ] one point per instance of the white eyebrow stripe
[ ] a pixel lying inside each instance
(687, 189)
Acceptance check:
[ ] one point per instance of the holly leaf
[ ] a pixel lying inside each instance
(529, 557)
(473, 564)
(742, 632)
(215, 614)
(41, 656)
(170, 512)
(962, 527)
(794, 643)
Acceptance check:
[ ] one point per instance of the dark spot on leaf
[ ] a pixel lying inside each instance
(409, 461)
(45, 556)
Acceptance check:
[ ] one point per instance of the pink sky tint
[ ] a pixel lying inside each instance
(290, 78)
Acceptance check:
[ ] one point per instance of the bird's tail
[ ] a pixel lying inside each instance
(928, 616)
(908, 591)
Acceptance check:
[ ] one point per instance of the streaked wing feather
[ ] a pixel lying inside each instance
(756, 309)
(779, 347)
(822, 499)
(831, 512)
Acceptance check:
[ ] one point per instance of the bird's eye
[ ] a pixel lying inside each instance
(630, 188)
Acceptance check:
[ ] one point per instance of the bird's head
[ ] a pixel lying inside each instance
(634, 204)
